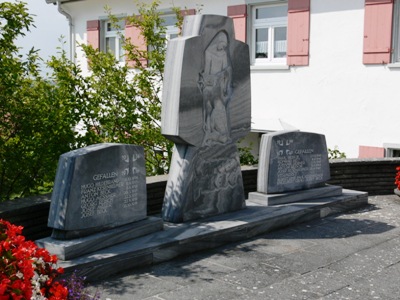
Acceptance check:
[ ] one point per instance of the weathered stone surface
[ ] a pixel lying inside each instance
(206, 109)
(291, 161)
(98, 187)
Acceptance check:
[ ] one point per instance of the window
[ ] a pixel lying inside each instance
(172, 31)
(269, 34)
(101, 34)
(111, 40)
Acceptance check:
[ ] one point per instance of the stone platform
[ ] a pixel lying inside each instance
(289, 197)
(178, 239)
(69, 249)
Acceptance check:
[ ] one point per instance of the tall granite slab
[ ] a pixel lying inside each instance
(293, 166)
(98, 187)
(206, 109)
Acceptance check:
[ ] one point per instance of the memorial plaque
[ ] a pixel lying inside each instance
(292, 161)
(98, 187)
(205, 110)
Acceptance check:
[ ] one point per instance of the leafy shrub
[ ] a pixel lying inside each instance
(36, 121)
(335, 153)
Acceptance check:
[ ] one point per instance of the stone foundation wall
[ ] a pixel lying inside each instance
(375, 176)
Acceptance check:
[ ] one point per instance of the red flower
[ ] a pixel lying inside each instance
(397, 178)
(19, 261)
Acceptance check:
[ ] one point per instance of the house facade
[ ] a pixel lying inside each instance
(323, 66)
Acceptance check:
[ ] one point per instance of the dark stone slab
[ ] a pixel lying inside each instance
(292, 161)
(288, 197)
(69, 249)
(206, 109)
(179, 239)
(96, 188)
(206, 91)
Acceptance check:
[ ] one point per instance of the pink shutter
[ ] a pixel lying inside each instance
(93, 33)
(135, 36)
(239, 13)
(377, 31)
(298, 32)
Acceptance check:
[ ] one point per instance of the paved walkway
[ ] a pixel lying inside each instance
(349, 256)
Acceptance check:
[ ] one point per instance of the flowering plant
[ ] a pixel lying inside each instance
(397, 178)
(26, 271)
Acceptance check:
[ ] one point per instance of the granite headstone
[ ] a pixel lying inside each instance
(205, 110)
(293, 166)
(292, 161)
(98, 187)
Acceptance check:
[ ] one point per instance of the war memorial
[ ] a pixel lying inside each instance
(98, 208)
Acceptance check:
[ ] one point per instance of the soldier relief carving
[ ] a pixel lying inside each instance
(215, 84)
(214, 112)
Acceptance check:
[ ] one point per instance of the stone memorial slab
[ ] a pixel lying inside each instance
(98, 187)
(206, 109)
(293, 166)
(291, 161)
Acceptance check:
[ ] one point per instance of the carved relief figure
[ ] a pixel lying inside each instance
(215, 83)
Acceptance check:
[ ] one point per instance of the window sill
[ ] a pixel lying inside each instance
(269, 67)
(394, 65)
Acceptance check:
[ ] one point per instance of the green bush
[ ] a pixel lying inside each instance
(35, 122)
(41, 118)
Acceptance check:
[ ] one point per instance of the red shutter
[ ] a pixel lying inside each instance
(93, 33)
(298, 32)
(377, 31)
(239, 13)
(135, 36)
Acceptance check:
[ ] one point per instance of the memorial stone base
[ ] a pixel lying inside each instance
(70, 249)
(288, 197)
(181, 239)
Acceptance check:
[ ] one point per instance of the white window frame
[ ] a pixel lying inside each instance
(270, 24)
(117, 33)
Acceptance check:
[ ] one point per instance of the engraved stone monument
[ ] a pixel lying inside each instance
(293, 166)
(206, 109)
(98, 188)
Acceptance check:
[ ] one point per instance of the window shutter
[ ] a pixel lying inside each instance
(377, 31)
(135, 36)
(239, 13)
(298, 32)
(93, 33)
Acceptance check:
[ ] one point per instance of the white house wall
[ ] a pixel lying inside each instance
(337, 95)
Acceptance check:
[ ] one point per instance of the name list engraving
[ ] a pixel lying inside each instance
(98, 196)
(297, 165)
